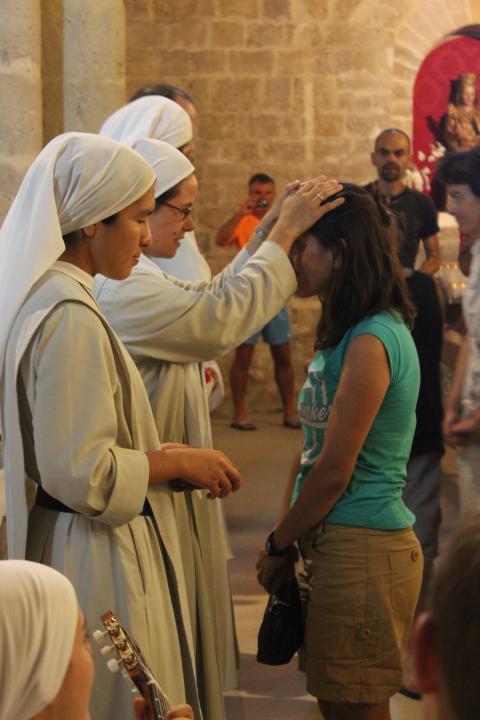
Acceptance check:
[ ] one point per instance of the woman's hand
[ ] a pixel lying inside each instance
(273, 573)
(302, 208)
(456, 432)
(269, 220)
(450, 419)
(208, 469)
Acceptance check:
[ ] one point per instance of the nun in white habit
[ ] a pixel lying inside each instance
(159, 117)
(75, 415)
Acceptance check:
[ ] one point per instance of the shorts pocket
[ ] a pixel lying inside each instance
(406, 568)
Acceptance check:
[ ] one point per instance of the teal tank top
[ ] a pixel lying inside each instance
(373, 498)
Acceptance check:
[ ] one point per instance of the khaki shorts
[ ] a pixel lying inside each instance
(361, 591)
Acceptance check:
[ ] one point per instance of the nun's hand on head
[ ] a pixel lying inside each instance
(272, 215)
(310, 202)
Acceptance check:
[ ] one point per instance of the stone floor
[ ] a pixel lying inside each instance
(268, 693)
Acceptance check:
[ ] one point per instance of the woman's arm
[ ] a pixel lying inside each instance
(287, 493)
(452, 405)
(363, 383)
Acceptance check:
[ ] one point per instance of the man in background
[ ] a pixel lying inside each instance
(391, 157)
(277, 333)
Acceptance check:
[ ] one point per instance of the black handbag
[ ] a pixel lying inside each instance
(282, 629)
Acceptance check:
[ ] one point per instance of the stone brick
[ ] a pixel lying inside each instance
(256, 62)
(325, 94)
(224, 33)
(184, 34)
(243, 151)
(316, 10)
(290, 62)
(218, 128)
(276, 9)
(284, 151)
(329, 125)
(235, 93)
(265, 34)
(182, 10)
(277, 94)
(261, 125)
(240, 9)
(208, 61)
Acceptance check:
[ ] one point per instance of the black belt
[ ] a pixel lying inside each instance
(43, 499)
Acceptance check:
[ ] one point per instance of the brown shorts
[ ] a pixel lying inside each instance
(362, 590)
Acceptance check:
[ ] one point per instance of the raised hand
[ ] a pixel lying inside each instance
(302, 208)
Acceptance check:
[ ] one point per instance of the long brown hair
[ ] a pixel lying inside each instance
(366, 276)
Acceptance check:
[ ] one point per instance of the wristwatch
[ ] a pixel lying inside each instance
(260, 232)
(272, 550)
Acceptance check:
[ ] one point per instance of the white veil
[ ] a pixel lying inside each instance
(152, 116)
(38, 621)
(77, 179)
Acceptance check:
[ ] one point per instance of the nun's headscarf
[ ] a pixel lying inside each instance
(38, 621)
(77, 180)
(152, 116)
(169, 164)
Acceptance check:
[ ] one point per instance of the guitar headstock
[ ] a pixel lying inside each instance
(130, 658)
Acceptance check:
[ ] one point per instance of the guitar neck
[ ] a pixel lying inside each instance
(158, 701)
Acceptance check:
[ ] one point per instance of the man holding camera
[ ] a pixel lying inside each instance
(277, 333)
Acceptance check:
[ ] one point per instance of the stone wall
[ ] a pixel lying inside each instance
(288, 87)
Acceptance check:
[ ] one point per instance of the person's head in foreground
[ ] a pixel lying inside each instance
(447, 638)
(46, 666)
(460, 173)
(46, 669)
(347, 258)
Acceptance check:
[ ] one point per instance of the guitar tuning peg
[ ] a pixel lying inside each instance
(113, 665)
(124, 674)
(99, 636)
(134, 691)
(106, 650)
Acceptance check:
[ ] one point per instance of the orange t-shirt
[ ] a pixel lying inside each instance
(244, 229)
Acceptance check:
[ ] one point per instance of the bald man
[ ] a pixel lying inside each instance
(391, 157)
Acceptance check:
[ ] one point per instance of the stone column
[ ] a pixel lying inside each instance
(94, 62)
(21, 105)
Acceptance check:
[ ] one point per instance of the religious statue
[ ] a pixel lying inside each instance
(462, 125)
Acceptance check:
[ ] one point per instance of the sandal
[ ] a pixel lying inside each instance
(245, 425)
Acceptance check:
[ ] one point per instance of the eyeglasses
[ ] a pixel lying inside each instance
(184, 213)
